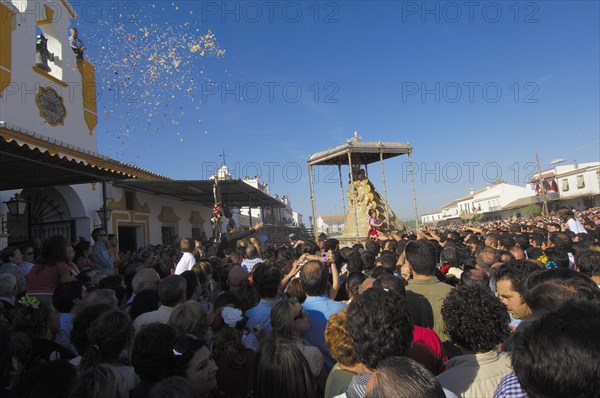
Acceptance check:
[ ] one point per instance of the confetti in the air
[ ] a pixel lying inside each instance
(147, 67)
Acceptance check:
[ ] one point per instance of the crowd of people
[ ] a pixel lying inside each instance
(501, 309)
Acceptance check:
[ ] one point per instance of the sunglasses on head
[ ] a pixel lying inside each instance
(184, 343)
(301, 315)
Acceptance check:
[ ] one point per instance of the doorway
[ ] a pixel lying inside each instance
(127, 239)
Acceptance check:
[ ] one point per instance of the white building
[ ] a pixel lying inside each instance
(331, 225)
(282, 216)
(489, 199)
(48, 148)
(575, 186)
(571, 185)
(431, 217)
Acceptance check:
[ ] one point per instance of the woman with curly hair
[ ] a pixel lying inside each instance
(477, 322)
(339, 342)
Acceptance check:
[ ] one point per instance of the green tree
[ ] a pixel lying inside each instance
(534, 209)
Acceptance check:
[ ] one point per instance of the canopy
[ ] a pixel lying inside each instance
(360, 153)
(30, 160)
(355, 153)
(234, 193)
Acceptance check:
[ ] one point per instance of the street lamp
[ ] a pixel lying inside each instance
(16, 207)
(310, 219)
(104, 215)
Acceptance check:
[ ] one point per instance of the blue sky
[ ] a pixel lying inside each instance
(476, 91)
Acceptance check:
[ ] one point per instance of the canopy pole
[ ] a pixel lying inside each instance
(104, 206)
(249, 210)
(387, 215)
(353, 193)
(412, 184)
(342, 192)
(312, 200)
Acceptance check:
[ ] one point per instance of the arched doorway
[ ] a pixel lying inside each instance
(47, 213)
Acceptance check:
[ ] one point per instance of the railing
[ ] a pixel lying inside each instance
(45, 230)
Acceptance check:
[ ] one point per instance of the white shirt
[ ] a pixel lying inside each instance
(161, 315)
(248, 264)
(186, 263)
(576, 226)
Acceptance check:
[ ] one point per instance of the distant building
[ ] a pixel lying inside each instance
(284, 216)
(575, 186)
(487, 200)
(331, 225)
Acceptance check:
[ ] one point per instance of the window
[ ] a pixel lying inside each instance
(580, 182)
(196, 233)
(565, 185)
(168, 235)
(129, 200)
(48, 48)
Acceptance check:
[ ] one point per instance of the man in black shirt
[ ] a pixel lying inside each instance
(233, 234)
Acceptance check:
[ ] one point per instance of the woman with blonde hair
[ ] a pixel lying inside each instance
(189, 317)
(289, 321)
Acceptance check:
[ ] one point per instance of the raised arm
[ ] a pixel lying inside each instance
(335, 276)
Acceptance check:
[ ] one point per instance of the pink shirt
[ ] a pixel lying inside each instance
(427, 350)
(46, 280)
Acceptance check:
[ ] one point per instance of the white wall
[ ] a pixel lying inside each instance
(590, 179)
(17, 104)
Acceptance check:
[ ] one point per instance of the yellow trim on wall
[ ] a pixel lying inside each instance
(4, 79)
(49, 77)
(49, 16)
(196, 218)
(167, 214)
(131, 219)
(88, 92)
(7, 25)
(69, 9)
(91, 119)
(137, 205)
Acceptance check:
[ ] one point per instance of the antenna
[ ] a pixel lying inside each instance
(557, 161)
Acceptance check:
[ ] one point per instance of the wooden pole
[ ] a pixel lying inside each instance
(542, 188)
(312, 198)
(353, 194)
(412, 184)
